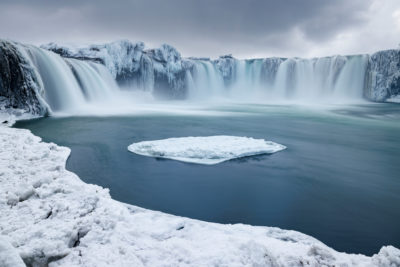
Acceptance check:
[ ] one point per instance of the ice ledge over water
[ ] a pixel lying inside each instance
(205, 150)
(48, 216)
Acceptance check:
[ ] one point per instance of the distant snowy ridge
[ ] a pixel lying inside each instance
(377, 75)
(205, 149)
(49, 217)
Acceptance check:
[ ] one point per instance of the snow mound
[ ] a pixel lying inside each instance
(205, 150)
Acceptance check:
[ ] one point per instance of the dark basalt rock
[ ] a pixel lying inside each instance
(18, 82)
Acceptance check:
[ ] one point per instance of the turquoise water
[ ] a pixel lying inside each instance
(338, 180)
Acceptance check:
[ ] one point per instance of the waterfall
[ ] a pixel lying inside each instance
(326, 79)
(69, 84)
(95, 82)
(351, 79)
(207, 81)
(62, 91)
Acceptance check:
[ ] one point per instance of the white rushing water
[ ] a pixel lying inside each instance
(72, 85)
(207, 83)
(326, 79)
(62, 91)
(94, 79)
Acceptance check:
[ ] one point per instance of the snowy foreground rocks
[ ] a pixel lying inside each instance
(205, 150)
(49, 217)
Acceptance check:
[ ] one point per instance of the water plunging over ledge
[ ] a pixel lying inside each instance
(73, 86)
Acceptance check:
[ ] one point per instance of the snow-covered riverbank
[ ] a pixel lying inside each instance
(49, 216)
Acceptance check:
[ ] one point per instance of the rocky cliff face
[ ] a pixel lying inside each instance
(382, 81)
(19, 85)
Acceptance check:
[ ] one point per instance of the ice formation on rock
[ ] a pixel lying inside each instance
(383, 75)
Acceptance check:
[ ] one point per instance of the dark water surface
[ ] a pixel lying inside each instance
(338, 180)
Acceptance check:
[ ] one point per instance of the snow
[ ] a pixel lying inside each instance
(9, 256)
(48, 216)
(205, 150)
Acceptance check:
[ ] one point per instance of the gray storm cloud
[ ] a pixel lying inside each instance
(196, 28)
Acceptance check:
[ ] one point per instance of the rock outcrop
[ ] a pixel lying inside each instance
(383, 75)
(19, 85)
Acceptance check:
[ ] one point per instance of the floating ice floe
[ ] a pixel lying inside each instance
(205, 150)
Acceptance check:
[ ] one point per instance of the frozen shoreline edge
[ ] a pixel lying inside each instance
(73, 223)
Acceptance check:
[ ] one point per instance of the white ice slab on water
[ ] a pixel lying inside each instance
(205, 149)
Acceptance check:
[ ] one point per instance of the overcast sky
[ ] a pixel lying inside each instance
(247, 28)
